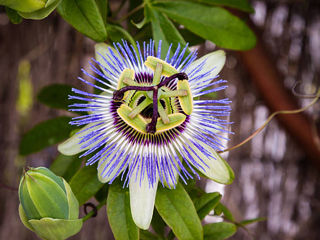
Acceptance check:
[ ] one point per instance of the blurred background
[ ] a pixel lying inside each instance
(277, 173)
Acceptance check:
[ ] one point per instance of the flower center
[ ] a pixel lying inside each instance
(152, 107)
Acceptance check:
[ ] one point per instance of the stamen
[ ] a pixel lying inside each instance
(138, 109)
(157, 74)
(175, 93)
(163, 115)
(130, 82)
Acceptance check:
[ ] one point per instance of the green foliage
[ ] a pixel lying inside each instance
(102, 194)
(87, 16)
(66, 166)
(163, 29)
(25, 97)
(213, 23)
(157, 223)
(219, 231)
(13, 16)
(238, 4)
(119, 214)
(45, 134)
(146, 235)
(56, 96)
(85, 183)
(221, 208)
(177, 210)
(206, 203)
(117, 34)
(250, 221)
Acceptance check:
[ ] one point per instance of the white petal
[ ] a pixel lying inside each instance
(103, 49)
(103, 168)
(72, 145)
(214, 166)
(214, 60)
(142, 197)
(172, 181)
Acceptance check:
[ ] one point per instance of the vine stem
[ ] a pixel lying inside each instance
(8, 187)
(131, 12)
(270, 118)
(119, 8)
(90, 214)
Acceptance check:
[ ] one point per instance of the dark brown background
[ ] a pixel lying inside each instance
(277, 174)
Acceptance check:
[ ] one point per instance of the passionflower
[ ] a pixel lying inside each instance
(150, 124)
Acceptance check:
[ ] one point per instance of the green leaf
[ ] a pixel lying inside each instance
(117, 33)
(213, 23)
(103, 8)
(193, 190)
(206, 203)
(102, 194)
(41, 13)
(85, 183)
(226, 212)
(13, 16)
(157, 223)
(66, 166)
(56, 96)
(253, 220)
(146, 235)
(178, 211)
(146, 12)
(219, 231)
(119, 213)
(45, 134)
(86, 17)
(163, 29)
(242, 5)
(191, 38)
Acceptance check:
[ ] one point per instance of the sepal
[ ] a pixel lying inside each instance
(56, 229)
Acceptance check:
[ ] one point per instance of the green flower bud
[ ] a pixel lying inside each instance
(32, 9)
(48, 206)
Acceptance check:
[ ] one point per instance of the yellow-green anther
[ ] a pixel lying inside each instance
(138, 123)
(130, 82)
(157, 74)
(167, 69)
(163, 115)
(138, 109)
(175, 93)
(186, 102)
(126, 73)
(175, 119)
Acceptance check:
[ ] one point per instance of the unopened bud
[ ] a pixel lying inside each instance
(48, 206)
